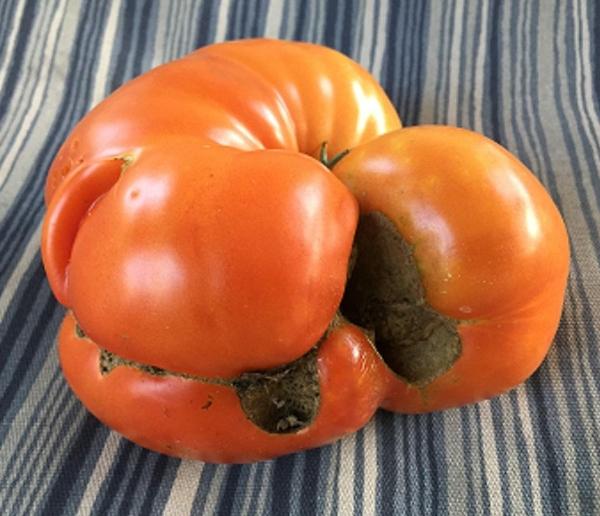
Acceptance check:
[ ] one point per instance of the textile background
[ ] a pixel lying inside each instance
(525, 73)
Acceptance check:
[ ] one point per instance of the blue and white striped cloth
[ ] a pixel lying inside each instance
(526, 73)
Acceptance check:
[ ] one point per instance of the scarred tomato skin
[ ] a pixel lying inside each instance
(212, 261)
(196, 420)
(491, 248)
(190, 228)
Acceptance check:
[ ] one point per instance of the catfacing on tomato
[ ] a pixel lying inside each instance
(231, 299)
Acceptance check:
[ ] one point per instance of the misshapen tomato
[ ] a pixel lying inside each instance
(215, 273)
(212, 261)
(491, 251)
(191, 256)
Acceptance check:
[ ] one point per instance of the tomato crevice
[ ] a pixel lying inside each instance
(385, 295)
(282, 400)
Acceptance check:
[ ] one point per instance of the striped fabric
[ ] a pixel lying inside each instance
(525, 73)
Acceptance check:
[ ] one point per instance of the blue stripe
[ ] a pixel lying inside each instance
(282, 483)
(67, 476)
(206, 27)
(493, 128)
(208, 473)
(229, 490)
(387, 474)
(19, 50)
(468, 444)
(310, 486)
(435, 461)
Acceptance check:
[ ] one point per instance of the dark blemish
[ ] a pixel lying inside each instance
(108, 361)
(385, 295)
(282, 400)
(79, 332)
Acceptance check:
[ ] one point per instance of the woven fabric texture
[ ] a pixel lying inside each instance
(525, 73)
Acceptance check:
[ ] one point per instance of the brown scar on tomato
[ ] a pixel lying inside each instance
(280, 400)
(208, 403)
(127, 159)
(385, 295)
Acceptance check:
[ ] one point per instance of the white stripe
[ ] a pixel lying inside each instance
(584, 87)
(563, 423)
(182, 27)
(274, 19)
(455, 462)
(366, 42)
(249, 487)
(296, 481)
(45, 386)
(380, 49)
(184, 488)
(35, 104)
(99, 474)
(23, 87)
(532, 457)
(44, 442)
(160, 34)
(43, 125)
(479, 78)
(490, 458)
(262, 494)
(315, 14)
(213, 496)
(473, 445)
(371, 467)
(104, 60)
(327, 476)
(454, 56)
(345, 480)
(512, 456)
(222, 21)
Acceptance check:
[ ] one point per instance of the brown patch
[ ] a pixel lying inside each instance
(281, 400)
(385, 294)
(108, 361)
(79, 332)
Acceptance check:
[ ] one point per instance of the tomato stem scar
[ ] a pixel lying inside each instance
(325, 160)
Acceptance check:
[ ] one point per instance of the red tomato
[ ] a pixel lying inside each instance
(491, 252)
(179, 241)
(213, 268)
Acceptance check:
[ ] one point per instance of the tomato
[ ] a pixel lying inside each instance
(250, 95)
(213, 261)
(231, 298)
(189, 232)
(486, 253)
(200, 418)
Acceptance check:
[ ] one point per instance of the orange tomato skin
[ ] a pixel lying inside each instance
(213, 261)
(250, 95)
(189, 229)
(490, 245)
(204, 421)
